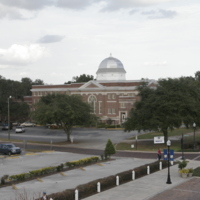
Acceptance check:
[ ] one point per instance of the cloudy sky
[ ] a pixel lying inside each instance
(54, 40)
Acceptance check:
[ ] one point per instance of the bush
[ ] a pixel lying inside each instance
(20, 177)
(3, 179)
(110, 149)
(83, 161)
(42, 171)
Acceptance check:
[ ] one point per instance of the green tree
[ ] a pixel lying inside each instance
(173, 102)
(109, 149)
(65, 110)
(81, 79)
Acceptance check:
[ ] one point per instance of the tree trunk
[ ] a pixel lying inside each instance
(68, 133)
(165, 133)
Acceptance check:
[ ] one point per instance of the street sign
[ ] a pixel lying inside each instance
(159, 140)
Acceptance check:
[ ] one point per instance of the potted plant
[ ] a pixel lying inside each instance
(181, 165)
(184, 172)
(190, 172)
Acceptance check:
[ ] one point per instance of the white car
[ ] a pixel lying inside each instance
(19, 129)
(28, 124)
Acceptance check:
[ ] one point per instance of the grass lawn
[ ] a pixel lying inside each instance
(149, 145)
(175, 132)
(196, 172)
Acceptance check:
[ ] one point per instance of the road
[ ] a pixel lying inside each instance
(95, 138)
(86, 141)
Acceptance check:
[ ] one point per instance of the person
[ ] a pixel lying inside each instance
(44, 196)
(159, 154)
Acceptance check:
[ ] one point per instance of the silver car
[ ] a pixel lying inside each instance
(19, 129)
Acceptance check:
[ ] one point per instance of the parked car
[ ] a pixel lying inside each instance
(5, 126)
(9, 149)
(28, 124)
(19, 129)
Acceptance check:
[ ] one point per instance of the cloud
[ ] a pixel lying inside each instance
(159, 14)
(110, 5)
(9, 13)
(75, 4)
(133, 11)
(51, 39)
(113, 5)
(21, 54)
(155, 63)
(28, 4)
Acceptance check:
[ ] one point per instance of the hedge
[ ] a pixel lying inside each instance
(48, 170)
(90, 188)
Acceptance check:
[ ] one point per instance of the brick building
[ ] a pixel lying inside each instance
(111, 96)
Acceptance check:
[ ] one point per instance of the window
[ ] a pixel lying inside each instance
(122, 105)
(92, 101)
(100, 107)
(111, 111)
(109, 96)
(113, 96)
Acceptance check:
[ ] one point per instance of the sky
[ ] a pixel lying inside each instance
(55, 40)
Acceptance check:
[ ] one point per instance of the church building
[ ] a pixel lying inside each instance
(111, 96)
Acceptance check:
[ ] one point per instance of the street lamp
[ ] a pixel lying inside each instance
(9, 117)
(168, 177)
(194, 126)
(182, 147)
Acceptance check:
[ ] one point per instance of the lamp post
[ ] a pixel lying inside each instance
(168, 177)
(194, 126)
(182, 147)
(9, 117)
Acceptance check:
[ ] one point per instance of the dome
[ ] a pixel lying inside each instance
(111, 62)
(111, 69)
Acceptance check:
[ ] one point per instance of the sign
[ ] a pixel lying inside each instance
(159, 140)
(171, 154)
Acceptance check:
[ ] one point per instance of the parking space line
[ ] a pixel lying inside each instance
(14, 187)
(62, 174)
(47, 151)
(39, 179)
(28, 154)
(99, 164)
(12, 157)
(82, 168)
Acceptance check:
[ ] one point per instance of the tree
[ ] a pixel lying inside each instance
(64, 110)
(80, 79)
(109, 149)
(173, 102)
(197, 75)
(38, 82)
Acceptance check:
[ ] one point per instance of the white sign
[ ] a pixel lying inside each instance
(159, 140)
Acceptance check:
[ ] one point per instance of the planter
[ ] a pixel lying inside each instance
(190, 174)
(184, 175)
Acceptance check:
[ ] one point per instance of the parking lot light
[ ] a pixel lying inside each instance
(9, 117)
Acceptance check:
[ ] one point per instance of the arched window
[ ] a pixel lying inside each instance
(92, 101)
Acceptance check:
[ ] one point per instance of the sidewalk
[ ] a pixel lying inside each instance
(154, 187)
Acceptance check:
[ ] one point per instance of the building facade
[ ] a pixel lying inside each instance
(111, 96)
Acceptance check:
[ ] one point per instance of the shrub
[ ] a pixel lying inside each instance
(3, 179)
(110, 149)
(59, 167)
(20, 177)
(42, 171)
(83, 161)
(182, 164)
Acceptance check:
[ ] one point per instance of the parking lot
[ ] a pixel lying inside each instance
(55, 183)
